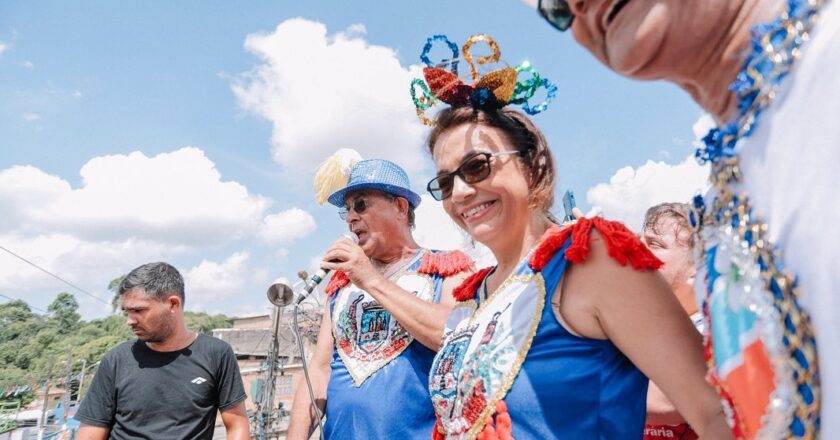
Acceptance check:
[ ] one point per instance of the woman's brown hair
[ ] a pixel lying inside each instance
(523, 135)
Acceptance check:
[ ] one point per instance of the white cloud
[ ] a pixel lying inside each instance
(45, 251)
(286, 226)
(24, 191)
(630, 192)
(89, 265)
(702, 126)
(531, 3)
(176, 198)
(30, 117)
(210, 280)
(129, 210)
(354, 30)
(324, 92)
(26, 64)
(3, 47)
(232, 287)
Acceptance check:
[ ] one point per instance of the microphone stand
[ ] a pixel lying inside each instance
(266, 417)
(303, 362)
(308, 287)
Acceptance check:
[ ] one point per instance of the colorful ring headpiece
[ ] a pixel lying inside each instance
(491, 91)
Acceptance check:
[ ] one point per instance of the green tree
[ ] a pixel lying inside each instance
(96, 337)
(18, 326)
(204, 323)
(114, 287)
(63, 311)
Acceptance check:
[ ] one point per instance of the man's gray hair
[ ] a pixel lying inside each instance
(158, 280)
(411, 215)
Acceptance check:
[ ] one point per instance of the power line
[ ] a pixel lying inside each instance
(57, 277)
(30, 305)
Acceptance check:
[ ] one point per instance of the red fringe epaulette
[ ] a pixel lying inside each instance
(338, 280)
(501, 427)
(622, 244)
(466, 291)
(445, 263)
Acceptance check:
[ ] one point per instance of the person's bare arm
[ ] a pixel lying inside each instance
(90, 432)
(660, 410)
(236, 422)
(617, 303)
(422, 319)
(303, 418)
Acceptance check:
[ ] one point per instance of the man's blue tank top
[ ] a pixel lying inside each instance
(392, 403)
(570, 387)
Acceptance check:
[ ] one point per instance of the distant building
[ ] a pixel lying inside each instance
(250, 338)
(52, 400)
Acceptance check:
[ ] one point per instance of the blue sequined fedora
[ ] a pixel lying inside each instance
(378, 174)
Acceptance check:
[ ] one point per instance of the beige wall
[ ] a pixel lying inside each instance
(252, 322)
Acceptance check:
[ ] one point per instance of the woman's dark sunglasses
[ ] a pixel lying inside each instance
(557, 13)
(359, 205)
(473, 169)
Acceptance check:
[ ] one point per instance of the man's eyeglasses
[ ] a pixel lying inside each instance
(359, 205)
(473, 169)
(557, 13)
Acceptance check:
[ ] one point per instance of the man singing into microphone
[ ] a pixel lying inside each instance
(384, 319)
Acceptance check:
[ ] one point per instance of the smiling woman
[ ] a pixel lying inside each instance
(555, 340)
(593, 339)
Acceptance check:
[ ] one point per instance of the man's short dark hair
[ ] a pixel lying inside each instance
(158, 280)
(677, 211)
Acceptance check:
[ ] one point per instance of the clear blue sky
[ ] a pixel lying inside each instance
(89, 83)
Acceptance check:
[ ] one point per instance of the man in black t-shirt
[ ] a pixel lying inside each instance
(169, 382)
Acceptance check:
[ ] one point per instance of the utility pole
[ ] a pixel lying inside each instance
(82, 377)
(68, 377)
(43, 419)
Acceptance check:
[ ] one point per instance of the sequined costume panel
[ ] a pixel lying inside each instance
(767, 232)
(791, 167)
(392, 400)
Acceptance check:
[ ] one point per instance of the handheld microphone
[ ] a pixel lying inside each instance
(319, 276)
